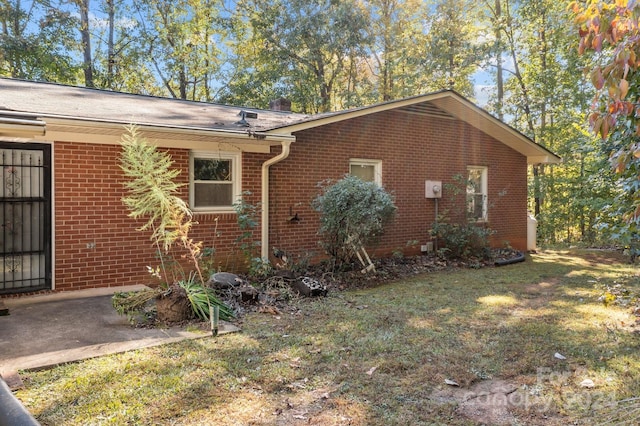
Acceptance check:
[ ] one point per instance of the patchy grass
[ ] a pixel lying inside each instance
(379, 355)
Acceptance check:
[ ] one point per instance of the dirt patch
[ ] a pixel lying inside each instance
(538, 295)
(604, 256)
(497, 402)
(541, 288)
(486, 402)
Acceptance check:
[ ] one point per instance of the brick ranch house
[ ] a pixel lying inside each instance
(64, 227)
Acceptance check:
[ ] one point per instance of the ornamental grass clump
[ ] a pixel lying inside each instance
(153, 194)
(353, 213)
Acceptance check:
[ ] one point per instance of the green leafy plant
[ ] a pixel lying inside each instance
(462, 240)
(154, 195)
(466, 238)
(247, 219)
(259, 267)
(202, 297)
(352, 213)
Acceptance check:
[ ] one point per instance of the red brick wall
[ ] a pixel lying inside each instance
(412, 149)
(88, 190)
(88, 211)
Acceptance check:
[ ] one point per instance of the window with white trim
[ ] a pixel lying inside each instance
(214, 180)
(477, 193)
(367, 170)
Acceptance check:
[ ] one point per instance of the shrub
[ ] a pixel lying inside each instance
(352, 212)
(462, 241)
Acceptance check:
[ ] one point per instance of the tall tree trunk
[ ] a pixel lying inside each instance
(539, 195)
(111, 10)
(86, 43)
(582, 221)
(182, 81)
(499, 78)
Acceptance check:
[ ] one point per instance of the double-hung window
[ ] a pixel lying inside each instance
(214, 181)
(367, 170)
(477, 192)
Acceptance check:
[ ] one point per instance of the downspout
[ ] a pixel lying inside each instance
(264, 241)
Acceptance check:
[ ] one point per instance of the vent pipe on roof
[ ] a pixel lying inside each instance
(243, 119)
(264, 249)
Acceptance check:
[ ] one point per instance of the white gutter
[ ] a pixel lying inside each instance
(264, 241)
(116, 128)
(20, 127)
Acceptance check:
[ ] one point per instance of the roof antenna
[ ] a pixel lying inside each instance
(243, 119)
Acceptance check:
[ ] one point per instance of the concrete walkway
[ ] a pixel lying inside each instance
(43, 331)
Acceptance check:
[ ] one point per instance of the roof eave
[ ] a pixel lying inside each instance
(457, 106)
(50, 128)
(330, 118)
(248, 134)
(543, 159)
(485, 122)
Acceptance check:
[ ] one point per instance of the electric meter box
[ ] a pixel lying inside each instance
(433, 189)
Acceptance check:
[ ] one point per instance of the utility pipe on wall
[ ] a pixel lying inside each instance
(264, 241)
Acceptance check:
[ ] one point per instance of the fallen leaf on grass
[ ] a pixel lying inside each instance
(300, 384)
(587, 383)
(269, 310)
(295, 363)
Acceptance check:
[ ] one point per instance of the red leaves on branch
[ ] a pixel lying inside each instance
(613, 23)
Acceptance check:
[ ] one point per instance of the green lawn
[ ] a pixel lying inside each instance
(381, 355)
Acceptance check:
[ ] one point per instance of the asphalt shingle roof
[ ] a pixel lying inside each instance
(56, 100)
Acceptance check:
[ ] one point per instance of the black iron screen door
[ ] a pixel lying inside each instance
(25, 217)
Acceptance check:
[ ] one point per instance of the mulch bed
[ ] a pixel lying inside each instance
(275, 291)
(274, 294)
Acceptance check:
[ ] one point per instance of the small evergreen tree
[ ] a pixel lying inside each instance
(153, 195)
(353, 213)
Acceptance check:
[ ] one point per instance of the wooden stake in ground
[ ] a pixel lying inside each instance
(358, 249)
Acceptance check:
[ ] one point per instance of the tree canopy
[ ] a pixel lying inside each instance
(514, 57)
(609, 29)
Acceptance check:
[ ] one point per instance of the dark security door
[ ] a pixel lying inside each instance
(25, 217)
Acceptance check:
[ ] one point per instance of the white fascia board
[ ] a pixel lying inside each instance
(72, 130)
(543, 159)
